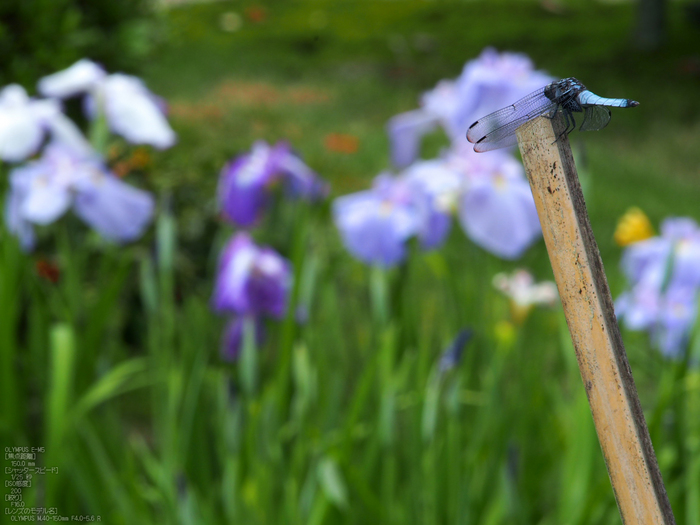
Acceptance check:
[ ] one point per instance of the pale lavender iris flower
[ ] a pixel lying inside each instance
(43, 190)
(130, 109)
(435, 224)
(496, 208)
(673, 256)
(664, 277)
(376, 224)
(489, 192)
(406, 130)
(668, 315)
(491, 81)
(676, 320)
(245, 183)
(24, 122)
(436, 187)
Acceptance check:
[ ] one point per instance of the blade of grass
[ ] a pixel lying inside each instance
(11, 260)
(125, 377)
(58, 401)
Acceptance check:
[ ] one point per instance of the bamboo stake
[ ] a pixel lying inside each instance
(585, 296)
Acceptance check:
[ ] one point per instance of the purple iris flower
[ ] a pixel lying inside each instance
(43, 190)
(496, 208)
(131, 110)
(233, 337)
(251, 280)
(664, 277)
(490, 82)
(453, 354)
(245, 182)
(375, 224)
(301, 181)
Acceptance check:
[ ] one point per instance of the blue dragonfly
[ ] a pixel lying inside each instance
(497, 130)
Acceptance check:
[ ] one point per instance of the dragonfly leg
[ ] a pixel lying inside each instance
(570, 124)
(567, 119)
(553, 113)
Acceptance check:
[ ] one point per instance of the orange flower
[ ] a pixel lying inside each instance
(341, 143)
(121, 168)
(114, 151)
(47, 270)
(256, 13)
(140, 158)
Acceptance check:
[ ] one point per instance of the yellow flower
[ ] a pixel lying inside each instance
(505, 332)
(633, 226)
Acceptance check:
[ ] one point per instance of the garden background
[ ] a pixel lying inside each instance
(360, 391)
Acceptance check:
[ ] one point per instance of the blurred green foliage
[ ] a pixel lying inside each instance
(345, 419)
(362, 62)
(39, 37)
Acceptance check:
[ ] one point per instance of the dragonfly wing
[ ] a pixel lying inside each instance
(499, 125)
(595, 118)
(488, 145)
(504, 136)
(490, 122)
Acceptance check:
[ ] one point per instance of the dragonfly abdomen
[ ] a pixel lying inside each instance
(586, 98)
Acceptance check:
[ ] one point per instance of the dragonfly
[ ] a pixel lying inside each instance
(568, 95)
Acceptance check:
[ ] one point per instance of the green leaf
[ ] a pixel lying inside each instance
(332, 483)
(430, 405)
(379, 295)
(62, 364)
(99, 129)
(249, 358)
(63, 354)
(122, 378)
